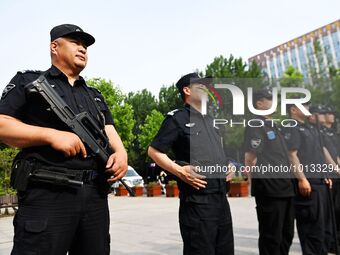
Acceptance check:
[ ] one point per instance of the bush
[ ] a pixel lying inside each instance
(7, 155)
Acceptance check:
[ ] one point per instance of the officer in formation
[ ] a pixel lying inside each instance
(313, 208)
(325, 124)
(55, 219)
(274, 192)
(204, 213)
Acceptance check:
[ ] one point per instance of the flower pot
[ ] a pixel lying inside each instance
(154, 190)
(239, 189)
(8, 199)
(139, 191)
(172, 190)
(121, 191)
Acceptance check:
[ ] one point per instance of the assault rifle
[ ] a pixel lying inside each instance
(82, 124)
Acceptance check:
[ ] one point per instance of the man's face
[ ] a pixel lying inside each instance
(295, 111)
(72, 52)
(321, 118)
(198, 92)
(264, 104)
(329, 118)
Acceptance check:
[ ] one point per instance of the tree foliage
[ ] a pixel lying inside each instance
(124, 123)
(149, 129)
(169, 99)
(122, 112)
(7, 155)
(142, 102)
(232, 67)
(292, 78)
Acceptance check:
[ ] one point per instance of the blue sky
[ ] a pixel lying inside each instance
(149, 43)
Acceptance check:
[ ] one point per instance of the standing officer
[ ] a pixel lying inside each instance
(331, 141)
(312, 204)
(204, 213)
(274, 192)
(55, 219)
(329, 135)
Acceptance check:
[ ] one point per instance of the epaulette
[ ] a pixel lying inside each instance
(30, 71)
(172, 113)
(94, 88)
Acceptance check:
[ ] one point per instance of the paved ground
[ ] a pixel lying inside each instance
(149, 226)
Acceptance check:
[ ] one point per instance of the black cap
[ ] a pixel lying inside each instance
(262, 93)
(317, 109)
(191, 78)
(71, 30)
(288, 106)
(330, 109)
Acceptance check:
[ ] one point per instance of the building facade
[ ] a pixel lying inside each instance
(310, 53)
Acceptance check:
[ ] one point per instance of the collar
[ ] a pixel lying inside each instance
(55, 72)
(192, 109)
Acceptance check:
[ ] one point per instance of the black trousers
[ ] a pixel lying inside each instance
(314, 221)
(206, 225)
(276, 224)
(55, 220)
(336, 203)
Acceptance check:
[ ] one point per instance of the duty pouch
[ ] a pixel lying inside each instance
(21, 171)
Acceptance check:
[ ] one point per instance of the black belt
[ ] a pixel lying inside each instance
(63, 176)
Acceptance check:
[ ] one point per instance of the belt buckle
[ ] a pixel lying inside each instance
(89, 175)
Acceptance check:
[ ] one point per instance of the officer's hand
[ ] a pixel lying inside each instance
(231, 172)
(304, 187)
(194, 179)
(329, 182)
(117, 166)
(66, 142)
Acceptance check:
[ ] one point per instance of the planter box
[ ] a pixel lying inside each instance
(8, 199)
(172, 191)
(139, 191)
(121, 191)
(154, 191)
(238, 189)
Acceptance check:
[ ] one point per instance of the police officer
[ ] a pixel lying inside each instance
(312, 204)
(204, 213)
(331, 142)
(329, 135)
(56, 219)
(273, 191)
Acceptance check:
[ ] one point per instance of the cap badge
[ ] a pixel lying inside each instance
(189, 125)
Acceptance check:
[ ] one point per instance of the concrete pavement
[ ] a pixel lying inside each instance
(149, 226)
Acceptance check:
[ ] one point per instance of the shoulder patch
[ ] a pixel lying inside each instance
(7, 89)
(255, 142)
(30, 71)
(172, 113)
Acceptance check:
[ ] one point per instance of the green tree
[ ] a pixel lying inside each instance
(169, 99)
(121, 111)
(336, 93)
(7, 155)
(149, 129)
(142, 102)
(292, 78)
(232, 67)
(124, 123)
(112, 94)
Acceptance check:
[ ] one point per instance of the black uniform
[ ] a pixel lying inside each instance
(55, 219)
(273, 192)
(204, 215)
(313, 215)
(331, 142)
